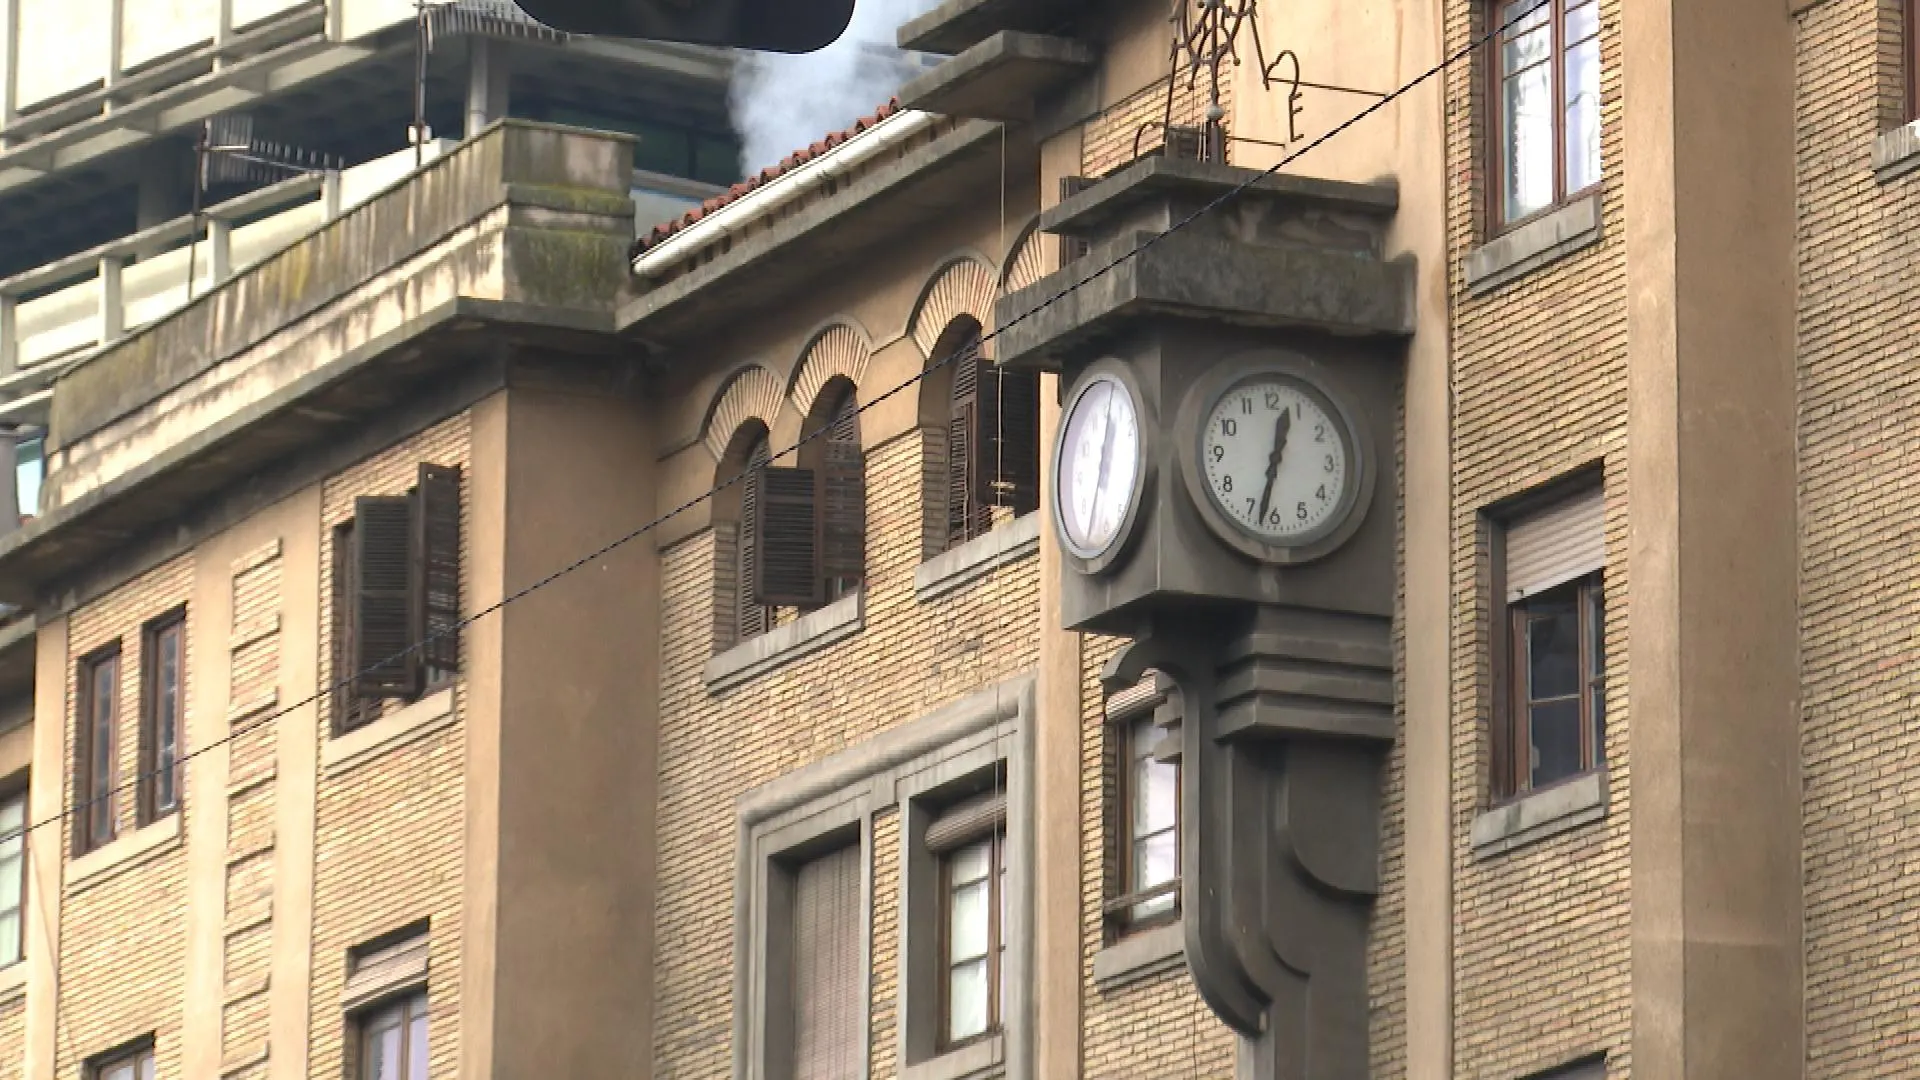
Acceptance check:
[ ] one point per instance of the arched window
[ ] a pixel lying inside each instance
(840, 469)
(989, 461)
(736, 617)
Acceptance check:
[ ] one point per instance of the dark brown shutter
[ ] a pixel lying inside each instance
(726, 583)
(1071, 247)
(843, 499)
(828, 1039)
(1008, 473)
(787, 549)
(967, 516)
(383, 600)
(436, 553)
(750, 616)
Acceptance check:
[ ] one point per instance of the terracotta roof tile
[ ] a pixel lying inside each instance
(659, 233)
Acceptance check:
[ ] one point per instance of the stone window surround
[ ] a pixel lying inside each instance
(1897, 152)
(905, 768)
(782, 645)
(1544, 240)
(1543, 812)
(415, 721)
(960, 566)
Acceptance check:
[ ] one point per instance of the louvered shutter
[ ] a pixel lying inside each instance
(1071, 247)
(967, 516)
(750, 617)
(1556, 545)
(787, 548)
(726, 584)
(1008, 473)
(843, 499)
(966, 822)
(436, 553)
(828, 1040)
(383, 599)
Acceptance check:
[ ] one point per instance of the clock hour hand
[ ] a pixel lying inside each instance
(1280, 429)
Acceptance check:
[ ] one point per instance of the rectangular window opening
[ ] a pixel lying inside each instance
(1546, 95)
(829, 1042)
(391, 1040)
(13, 894)
(132, 1064)
(162, 711)
(96, 749)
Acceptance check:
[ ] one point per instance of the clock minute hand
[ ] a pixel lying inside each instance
(1280, 429)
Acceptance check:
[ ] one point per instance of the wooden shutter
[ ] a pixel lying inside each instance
(1008, 473)
(967, 517)
(787, 547)
(1071, 247)
(383, 598)
(726, 584)
(828, 1039)
(750, 616)
(843, 499)
(1556, 545)
(436, 555)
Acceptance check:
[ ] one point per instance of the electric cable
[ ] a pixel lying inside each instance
(973, 349)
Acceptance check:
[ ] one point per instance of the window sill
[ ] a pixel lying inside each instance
(978, 557)
(1533, 245)
(125, 853)
(1536, 816)
(418, 720)
(984, 1058)
(13, 982)
(1896, 153)
(784, 644)
(1139, 955)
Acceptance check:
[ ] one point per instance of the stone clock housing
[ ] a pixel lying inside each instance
(1225, 494)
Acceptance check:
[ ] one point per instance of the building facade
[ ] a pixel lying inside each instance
(501, 630)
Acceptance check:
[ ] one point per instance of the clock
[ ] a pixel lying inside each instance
(1275, 463)
(1100, 467)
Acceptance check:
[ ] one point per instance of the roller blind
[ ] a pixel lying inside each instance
(1556, 545)
(828, 1043)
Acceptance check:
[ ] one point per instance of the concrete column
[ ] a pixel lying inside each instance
(219, 249)
(9, 62)
(9, 335)
(489, 68)
(1712, 553)
(46, 850)
(113, 310)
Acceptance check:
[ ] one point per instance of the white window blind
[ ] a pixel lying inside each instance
(1556, 545)
(828, 1042)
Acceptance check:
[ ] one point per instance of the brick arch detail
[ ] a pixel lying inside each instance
(963, 287)
(752, 393)
(838, 350)
(1026, 264)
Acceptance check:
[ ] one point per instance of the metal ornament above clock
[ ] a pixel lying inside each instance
(1273, 460)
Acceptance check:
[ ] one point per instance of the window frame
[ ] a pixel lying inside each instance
(1512, 761)
(139, 1056)
(1910, 57)
(90, 790)
(17, 794)
(1496, 144)
(149, 782)
(996, 840)
(1129, 893)
(410, 1004)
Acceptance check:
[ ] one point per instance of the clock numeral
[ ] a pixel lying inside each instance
(1246, 406)
(1226, 484)
(1319, 433)
(1249, 506)
(1273, 517)
(1301, 512)
(1329, 462)
(1229, 428)
(1217, 451)
(1321, 494)
(1273, 400)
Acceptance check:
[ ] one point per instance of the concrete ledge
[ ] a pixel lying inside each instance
(1896, 153)
(13, 981)
(416, 721)
(1001, 78)
(1533, 245)
(1540, 814)
(784, 644)
(981, 1059)
(1140, 955)
(978, 557)
(135, 848)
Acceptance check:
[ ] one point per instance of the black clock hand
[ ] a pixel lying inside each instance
(1106, 459)
(1280, 429)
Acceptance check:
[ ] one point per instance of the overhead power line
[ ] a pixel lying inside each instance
(1079, 282)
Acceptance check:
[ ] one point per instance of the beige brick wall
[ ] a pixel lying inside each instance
(1541, 934)
(910, 659)
(122, 950)
(13, 1048)
(391, 832)
(884, 1050)
(1109, 141)
(1859, 593)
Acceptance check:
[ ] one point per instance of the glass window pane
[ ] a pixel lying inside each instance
(10, 938)
(1155, 796)
(967, 927)
(29, 465)
(10, 871)
(1519, 51)
(1583, 115)
(1156, 860)
(967, 1000)
(384, 1055)
(1555, 729)
(970, 863)
(417, 1044)
(1583, 20)
(13, 815)
(146, 1066)
(1537, 18)
(1553, 650)
(1527, 140)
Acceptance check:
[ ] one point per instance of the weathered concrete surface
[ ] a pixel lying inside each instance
(958, 25)
(1002, 78)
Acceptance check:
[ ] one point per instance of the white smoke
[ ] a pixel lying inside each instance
(782, 103)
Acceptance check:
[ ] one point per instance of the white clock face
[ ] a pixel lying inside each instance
(1274, 460)
(1098, 465)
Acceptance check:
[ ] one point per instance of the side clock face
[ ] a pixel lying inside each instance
(1098, 466)
(1276, 460)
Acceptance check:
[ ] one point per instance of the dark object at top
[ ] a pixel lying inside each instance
(788, 26)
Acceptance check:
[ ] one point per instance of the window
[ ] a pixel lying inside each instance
(13, 893)
(124, 1065)
(804, 528)
(1550, 724)
(396, 597)
(833, 451)
(993, 438)
(970, 841)
(1150, 802)
(96, 749)
(393, 1041)
(1546, 75)
(29, 456)
(736, 527)
(162, 657)
(829, 1038)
